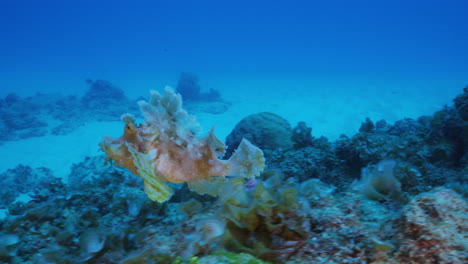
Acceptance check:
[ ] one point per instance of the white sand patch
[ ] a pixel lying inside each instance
(330, 106)
(57, 152)
(23, 197)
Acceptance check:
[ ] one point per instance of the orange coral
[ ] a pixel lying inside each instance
(167, 148)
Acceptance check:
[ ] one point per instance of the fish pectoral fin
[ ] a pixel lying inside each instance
(157, 191)
(247, 161)
(155, 185)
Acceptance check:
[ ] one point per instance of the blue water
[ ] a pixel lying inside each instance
(55, 45)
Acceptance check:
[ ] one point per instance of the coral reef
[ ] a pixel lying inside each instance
(41, 114)
(105, 100)
(80, 222)
(198, 101)
(367, 126)
(422, 148)
(190, 90)
(430, 151)
(24, 180)
(302, 135)
(107, 218)
(407, 205)
(19, 118)
(310, 162)
(167, 148)
(188, 87)
(461, 104)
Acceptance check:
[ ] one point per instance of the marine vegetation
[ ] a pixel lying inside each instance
(168, 148)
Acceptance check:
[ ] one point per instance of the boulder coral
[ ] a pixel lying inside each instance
(266, 130)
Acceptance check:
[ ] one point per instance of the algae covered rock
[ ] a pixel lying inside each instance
(434, 229)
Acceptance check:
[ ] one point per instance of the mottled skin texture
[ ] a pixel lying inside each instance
(176, 163)
(166, 148)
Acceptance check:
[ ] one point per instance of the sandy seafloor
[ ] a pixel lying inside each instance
(331, 107)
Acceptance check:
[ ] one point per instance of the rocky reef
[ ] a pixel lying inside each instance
(392, 193)
(429, 151)
(42, 114)
(189, 88)
(104, 216)
(196, 99)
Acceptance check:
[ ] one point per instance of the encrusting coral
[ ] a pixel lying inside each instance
(167, 148)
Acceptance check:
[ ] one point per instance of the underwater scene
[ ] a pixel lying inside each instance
(211, 132)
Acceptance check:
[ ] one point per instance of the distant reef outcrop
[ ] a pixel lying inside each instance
(41, 114)
(196, 100)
